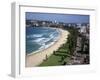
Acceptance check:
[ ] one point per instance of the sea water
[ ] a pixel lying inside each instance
(40, 38)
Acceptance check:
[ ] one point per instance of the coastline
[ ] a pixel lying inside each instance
(35, 59)
(52, 43)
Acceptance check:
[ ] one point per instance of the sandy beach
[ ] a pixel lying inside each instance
(37, 58)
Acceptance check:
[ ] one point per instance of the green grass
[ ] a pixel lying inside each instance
(58, 58)
(52, 61)
(55, 59)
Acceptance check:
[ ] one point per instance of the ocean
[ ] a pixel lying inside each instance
(40, 38)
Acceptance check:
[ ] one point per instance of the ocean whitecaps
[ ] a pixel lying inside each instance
(34, 35)
(44, 37)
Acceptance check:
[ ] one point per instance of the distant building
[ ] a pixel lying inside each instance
(79, 25)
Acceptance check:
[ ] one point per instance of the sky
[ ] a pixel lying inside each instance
(66, 18)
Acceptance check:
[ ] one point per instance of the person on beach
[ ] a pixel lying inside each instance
(46, 57)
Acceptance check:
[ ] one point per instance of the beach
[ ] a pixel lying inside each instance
(37, 58)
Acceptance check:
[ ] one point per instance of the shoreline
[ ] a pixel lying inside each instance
(57, 38)
(37, 58)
